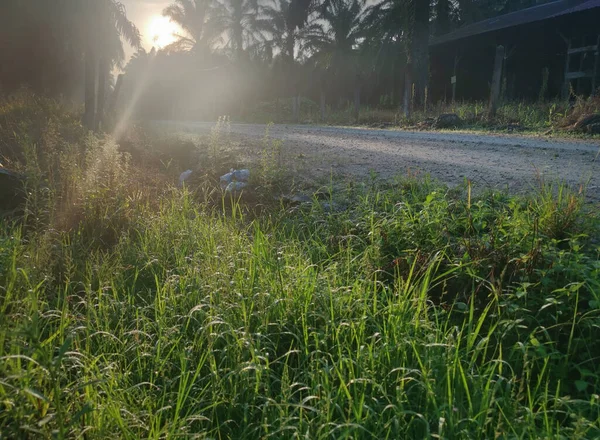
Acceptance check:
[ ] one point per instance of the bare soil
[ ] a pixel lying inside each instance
(510, 162)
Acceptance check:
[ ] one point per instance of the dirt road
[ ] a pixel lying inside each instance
(511, 162)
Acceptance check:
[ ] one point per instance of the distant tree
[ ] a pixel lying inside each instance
(276, 21)
(420, 10)
(470, 11)
(442, 17)
(195, 18)
(280, 25)
(407, 24)
(333, 39)
(237, 21)
(104, 23)
(38, 48)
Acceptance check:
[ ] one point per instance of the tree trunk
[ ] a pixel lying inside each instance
(102, 78)
(442, 19)
(114, 98)
(89, 115)
(294, 108)
(407, 90)
(296, 101)
(420, 49)
(357, 99)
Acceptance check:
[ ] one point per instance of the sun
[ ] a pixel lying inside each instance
(160, 31)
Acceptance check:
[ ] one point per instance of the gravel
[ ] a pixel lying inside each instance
(503, 161)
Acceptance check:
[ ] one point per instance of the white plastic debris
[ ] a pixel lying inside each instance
(226, 180)
(234, 176)
(184, 176)
(241, 175)
(235, 186)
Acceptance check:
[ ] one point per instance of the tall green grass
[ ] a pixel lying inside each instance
(396, 310)
(368, 323)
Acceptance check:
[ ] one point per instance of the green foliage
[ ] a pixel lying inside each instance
(517, 116)
(270, 169)
(380, 310)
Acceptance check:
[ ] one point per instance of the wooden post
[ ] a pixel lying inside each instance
(322, 96)
(407, 90)
(567, 83)
(581, 61)
(496, 81)
(596, 61)
(453, 79)
(357, 98)
(294, 108)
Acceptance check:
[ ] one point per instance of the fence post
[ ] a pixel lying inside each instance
(407, 90)
(357, 98)
(496, 81)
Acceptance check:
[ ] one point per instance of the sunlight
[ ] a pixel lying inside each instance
(160, 31)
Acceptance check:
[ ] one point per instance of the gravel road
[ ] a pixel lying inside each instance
(504, 161)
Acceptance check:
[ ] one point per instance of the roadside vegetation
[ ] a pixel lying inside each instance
(134, 308)
(557, 117)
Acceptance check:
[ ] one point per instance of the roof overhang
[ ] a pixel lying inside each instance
(524, 16)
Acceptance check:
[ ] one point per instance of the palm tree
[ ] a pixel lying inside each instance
(407, 23)
(277, 23)
(387, 40)
(38, 48)
(195, 18)
(442, 17)
(104, 26)
(281, 28)
(420, 47)
(237, 19)
(334, 38)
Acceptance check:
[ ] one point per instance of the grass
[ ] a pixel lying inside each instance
(547, 117)
(380, 310)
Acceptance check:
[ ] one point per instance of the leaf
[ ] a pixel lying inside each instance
(87, 408)
(36, 394)
(534, 341)
(63, 349)
(581, 385)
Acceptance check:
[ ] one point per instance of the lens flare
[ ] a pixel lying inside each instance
(161, 32)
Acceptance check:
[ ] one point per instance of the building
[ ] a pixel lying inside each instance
(550, 49)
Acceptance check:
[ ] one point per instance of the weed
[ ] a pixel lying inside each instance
(383, 310)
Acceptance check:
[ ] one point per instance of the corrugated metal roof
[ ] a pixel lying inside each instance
(524, 16)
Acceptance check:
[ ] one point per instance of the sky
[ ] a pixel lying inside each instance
(147, 16)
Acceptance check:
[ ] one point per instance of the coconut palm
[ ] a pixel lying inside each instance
(195, 18)
(237, 20)
(405, 23)
(281, 23)
(103, 27)
(333, 40)
(277, 28)
(335, 36)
